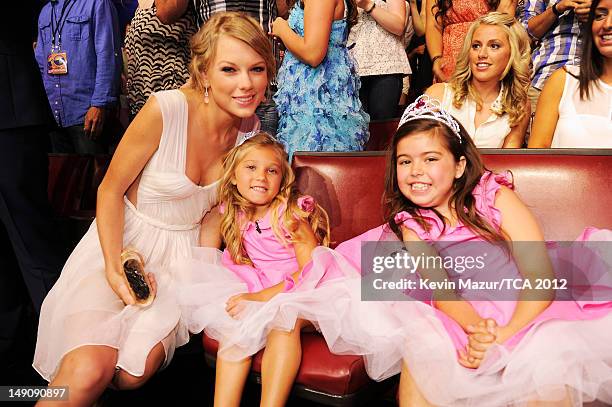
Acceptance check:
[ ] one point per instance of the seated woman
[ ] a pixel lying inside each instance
(574, 107)
(487, 93)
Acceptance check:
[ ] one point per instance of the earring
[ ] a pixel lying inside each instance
(206, 100)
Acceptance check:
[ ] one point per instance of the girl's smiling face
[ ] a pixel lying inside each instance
(426, 170)
(258, 177)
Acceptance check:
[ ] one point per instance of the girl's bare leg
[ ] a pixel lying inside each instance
(280, 364)
(409, 393)
(229, 381)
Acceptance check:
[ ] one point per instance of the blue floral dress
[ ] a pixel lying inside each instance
(319, 107)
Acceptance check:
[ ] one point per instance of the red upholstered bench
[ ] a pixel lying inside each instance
(566, 189)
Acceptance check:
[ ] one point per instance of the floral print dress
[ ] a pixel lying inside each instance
(319, 107)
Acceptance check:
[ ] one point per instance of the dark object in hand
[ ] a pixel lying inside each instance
(136, 280)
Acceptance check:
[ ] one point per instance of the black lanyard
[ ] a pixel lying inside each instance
(56, 29)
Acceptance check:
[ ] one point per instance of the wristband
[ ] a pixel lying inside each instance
(371, 8)
(435, 58)
(556, 11)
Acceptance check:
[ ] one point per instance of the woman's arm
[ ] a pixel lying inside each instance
(169, 11)
(312, 47)
(507, 6)
(418, 17)
(446, 301)
(137, 146)
(531, 257)
(433, 39)
(210, 229)
(393, 19)
(547, 111)
(516, 137)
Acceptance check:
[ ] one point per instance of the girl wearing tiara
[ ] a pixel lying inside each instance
(265, 287)
(491, 348)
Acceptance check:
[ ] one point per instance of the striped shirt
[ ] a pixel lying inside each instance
(560, 46)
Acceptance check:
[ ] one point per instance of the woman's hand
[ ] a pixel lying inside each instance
(437, 71)
(117, 282)
(279, 27)
(364, 4)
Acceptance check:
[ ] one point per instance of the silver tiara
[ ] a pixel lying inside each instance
(426, 107)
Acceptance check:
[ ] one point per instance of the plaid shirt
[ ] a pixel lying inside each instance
(560, 46)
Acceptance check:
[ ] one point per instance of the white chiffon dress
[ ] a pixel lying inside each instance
(163, 225)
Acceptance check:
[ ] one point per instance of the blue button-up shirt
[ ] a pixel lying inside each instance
(91, 41)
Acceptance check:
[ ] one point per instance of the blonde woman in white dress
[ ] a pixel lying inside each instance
(160, 184)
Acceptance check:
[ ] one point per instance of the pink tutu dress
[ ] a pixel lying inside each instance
(320, 295)
(564, 352)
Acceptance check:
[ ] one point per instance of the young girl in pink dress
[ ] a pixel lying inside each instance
(492, 348)
(264, 288)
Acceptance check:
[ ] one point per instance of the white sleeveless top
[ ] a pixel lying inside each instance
(584, 123)
(490, 134)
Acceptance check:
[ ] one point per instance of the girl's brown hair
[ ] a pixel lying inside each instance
(461, 195)
(592, 62)
(238, 210)
(233, 24)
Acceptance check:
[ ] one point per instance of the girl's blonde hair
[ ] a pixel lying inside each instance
(238, 210)
(515, 78)
(236, 25)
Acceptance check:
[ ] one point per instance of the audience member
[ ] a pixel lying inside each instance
(555, 27)
(317, 98)
(488, 91)
(157, 49)
(376, 44)
(575, 108)
(421, 77)
(78, 55)
(30, 254)
(447, 24)
(161, 182)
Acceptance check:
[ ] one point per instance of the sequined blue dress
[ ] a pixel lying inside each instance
(319, 108)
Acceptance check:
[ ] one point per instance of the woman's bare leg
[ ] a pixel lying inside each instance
(86, 372)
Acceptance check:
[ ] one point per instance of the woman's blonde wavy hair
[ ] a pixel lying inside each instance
(234, 24)
(238, 210)
(515, 78)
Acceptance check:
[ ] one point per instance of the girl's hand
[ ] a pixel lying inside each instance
(480, 338)
(236, 303)
(152, 283)
(118, 284)
(279, 26)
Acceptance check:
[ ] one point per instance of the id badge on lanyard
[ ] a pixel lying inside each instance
(57, 60)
